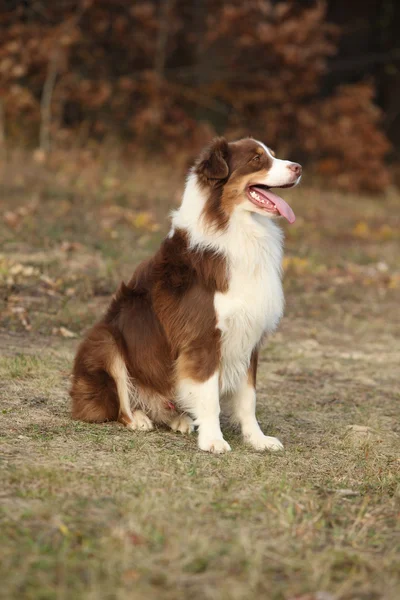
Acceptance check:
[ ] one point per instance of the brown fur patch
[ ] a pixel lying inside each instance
(252, 372)
(93, 392)
(161, 321)
(212, 170)
(201, 357)
(212, 165)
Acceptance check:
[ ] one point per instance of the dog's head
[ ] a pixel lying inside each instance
(240, 175)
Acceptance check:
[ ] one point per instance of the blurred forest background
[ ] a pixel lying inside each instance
(318, 81)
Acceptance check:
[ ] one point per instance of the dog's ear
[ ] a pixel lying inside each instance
(212, 164)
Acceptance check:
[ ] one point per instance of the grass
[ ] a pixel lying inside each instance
(95, 511)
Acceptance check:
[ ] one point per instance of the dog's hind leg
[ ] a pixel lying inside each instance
(182, 423)
(101, 388)
(136, 420)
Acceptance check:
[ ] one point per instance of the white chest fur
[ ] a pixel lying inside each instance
(252, 306)
(254, 302)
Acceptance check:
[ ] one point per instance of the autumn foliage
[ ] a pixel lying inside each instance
(167, 75)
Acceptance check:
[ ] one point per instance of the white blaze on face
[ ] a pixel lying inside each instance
(278, 174)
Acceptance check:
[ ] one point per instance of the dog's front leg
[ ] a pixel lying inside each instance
(243, 411)
(201, 399)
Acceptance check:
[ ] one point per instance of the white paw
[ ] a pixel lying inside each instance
(214, 446)
(140, 422)
(183, 424)
(264, 442)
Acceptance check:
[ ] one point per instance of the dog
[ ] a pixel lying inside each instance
(182, 337)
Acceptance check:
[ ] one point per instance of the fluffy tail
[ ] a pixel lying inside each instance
(100, 386)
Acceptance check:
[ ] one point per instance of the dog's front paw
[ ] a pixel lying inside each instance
(140, 422)
(215, 446)
(262, 442)
(183, 424)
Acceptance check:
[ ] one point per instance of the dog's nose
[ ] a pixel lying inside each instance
(296, 168)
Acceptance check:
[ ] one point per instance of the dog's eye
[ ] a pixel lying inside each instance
(257, 158)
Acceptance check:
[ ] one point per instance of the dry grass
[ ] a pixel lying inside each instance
(99, 512)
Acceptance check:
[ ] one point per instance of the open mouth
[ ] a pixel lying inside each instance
(262, 197)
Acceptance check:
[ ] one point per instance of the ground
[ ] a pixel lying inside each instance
(97, 511)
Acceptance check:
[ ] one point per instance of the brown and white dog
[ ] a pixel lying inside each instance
(181, 338)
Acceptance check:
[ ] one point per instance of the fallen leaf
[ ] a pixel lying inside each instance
(64, 529)
(361, 230)
(131, 575)
(64, 332)
(361, 429)
(71, 246)
(11, 219)
(39, 156)
(297, 264)
(347, 493)
(47, 280)
(25, 271)
(394, 282)
(144, 220)
(385, 232)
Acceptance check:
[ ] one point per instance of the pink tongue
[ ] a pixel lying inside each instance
(281, 206)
